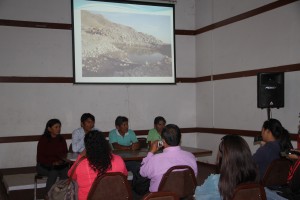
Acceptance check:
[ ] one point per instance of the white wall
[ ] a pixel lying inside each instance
(266, 40)
(26, 107)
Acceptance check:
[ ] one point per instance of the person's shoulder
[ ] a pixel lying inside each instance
(130, 131)
(152, 131)
(113, 131)
(77, 131)
(43, 138)
(117, 158)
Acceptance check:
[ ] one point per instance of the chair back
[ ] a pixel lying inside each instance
(70, 148)
(249, 191)
(180, 180)
(112, 186)
(294, 175)
(143, 142)
(161, 196)
(276, 173)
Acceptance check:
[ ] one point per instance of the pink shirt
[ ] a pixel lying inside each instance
(85, 175)
(154, 166)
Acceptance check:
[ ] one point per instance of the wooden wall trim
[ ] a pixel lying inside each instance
(248, 14)
(284, 68)
(18, 79)
(249, 133)
(251, 13)
(30, 24)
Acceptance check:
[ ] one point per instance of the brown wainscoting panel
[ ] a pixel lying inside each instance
(30, 24)
(251, 13)
(15, 79)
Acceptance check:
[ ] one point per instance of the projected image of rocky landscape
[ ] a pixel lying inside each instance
(112, 49)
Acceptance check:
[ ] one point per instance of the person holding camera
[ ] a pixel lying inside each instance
(154, 166)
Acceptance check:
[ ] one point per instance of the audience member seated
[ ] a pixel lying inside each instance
(51, 150)
(236, 166)
(87, 124)
(155, 133)
(154, 166)
(99, 160)
(121, 137)
(275, 140)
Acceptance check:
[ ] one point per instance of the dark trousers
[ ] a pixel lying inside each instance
(132, 165)
(52, 174)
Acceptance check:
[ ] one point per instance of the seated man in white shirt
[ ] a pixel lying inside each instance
(87, 124)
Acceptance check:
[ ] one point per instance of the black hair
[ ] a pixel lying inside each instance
(159, 119)
(86, 116)
(171, 134)
(98, 151)
(120, 120)
(279, 133)
(49, 124)
(236, 165)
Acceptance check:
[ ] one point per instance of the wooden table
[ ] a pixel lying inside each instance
(142, 153)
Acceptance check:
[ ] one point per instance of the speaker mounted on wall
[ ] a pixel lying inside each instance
(270, 90)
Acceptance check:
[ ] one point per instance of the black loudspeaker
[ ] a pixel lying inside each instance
(270, 90)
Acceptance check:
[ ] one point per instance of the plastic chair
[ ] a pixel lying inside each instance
(276, 173)
(180, 180)
(161, 196)
(249, 191)
(112, 186)
(36, 178)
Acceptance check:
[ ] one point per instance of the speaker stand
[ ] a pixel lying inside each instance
(269, 112)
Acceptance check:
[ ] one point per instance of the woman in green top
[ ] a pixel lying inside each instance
(155, 133)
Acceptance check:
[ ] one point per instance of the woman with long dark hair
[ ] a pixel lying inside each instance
(276, 139)
(236, 166)
(51, 150)
(99, 160)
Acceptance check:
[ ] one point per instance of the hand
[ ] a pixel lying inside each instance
(135, 146)
(293, 156)
(154, 146)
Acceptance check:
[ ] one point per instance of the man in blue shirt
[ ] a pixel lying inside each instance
(87, 124)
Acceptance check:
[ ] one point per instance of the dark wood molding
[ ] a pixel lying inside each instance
(284, 68)
(251, 13)
(185, 32)
(30, 24)
(15, 79)
(222, 131)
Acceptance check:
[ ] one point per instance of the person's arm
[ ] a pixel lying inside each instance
(120, 147)
(41, 156)
(148, 166)
(76, 146)
(135, 143)
(74, 176)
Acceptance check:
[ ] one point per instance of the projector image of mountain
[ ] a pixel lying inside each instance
(110, 49)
